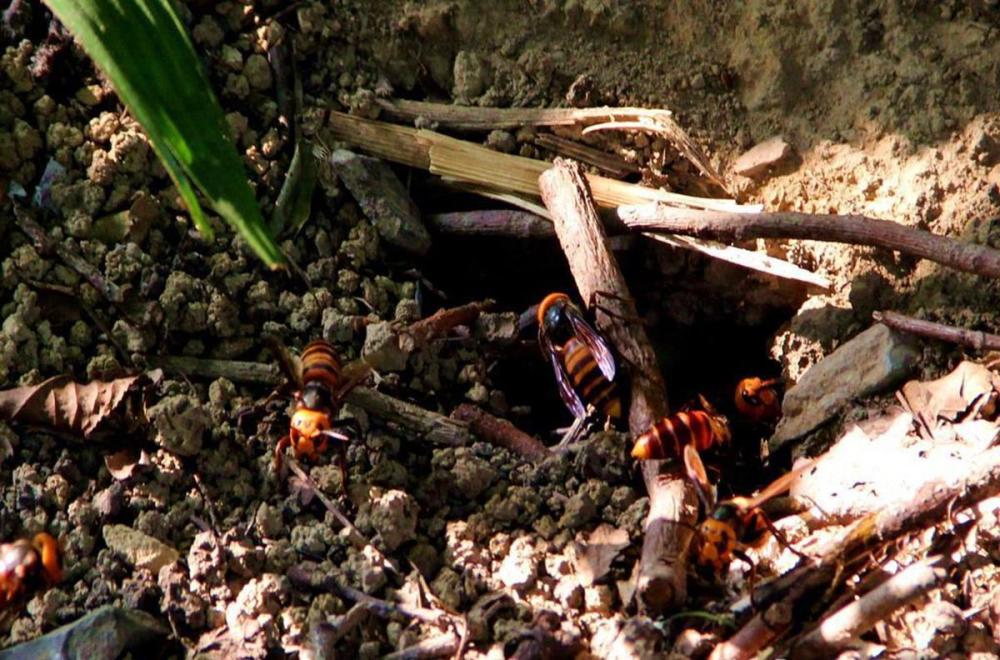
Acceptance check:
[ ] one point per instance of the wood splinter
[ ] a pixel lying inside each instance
(673, 504)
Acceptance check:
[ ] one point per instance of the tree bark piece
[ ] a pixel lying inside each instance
(500, 432)
(843, 626)
(854, 229)
(428, 425)
(662, 572)
(975, 339)
(932, 503)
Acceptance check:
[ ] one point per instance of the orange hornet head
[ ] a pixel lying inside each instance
(310, 423)
(48, 549)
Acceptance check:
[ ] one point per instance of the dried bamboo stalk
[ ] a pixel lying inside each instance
(486, 172)
(610, 163)
(484, 119)
(473, 163)
(657, 121)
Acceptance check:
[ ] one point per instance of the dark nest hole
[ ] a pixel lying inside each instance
(706, 333)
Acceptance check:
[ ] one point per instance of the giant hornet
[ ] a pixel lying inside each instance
(733, 525)
(322, 386)
(758, 400)
(668, 438)
(24, 563)
(580, 357)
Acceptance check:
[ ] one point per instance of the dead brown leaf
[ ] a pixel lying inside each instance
(80, 408)
(959, 396)
(592, 558)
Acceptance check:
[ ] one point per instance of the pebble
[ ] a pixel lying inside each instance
(384, 200)
(140, 550)
(520, 567)
(870, 362)
(381, 349)
(180, 423)
(394, 518)
(762, 157)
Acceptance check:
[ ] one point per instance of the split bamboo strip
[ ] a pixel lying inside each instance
(473, 163)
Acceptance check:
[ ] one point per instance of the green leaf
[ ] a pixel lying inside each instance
(294, 203)
(143, 49)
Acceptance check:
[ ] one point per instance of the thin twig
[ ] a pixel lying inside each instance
(381, 608)
(501, 222)
(500, 432)
(662, 575)
(975, 339)
(442, 321)
(853, 229)
(354, 534)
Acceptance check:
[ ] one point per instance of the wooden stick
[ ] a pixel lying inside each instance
(854, 229)
(442, 321)
(975, 339)
(500, 432)
(934, 502)
(840, 628)
(307, 579)
(428, 425)
(662, 574)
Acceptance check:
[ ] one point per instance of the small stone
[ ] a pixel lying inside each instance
(140, 550)
(394, 518)
(472, 476)
(367, 565)
(599, 598)
(180, 423)
(472, 76)
(870, 362)
(520, 567)
(381, 349)
(569, 592)
(762, 157)
(503, 141)
(383, 199)
(448, 587)
(108, 502)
